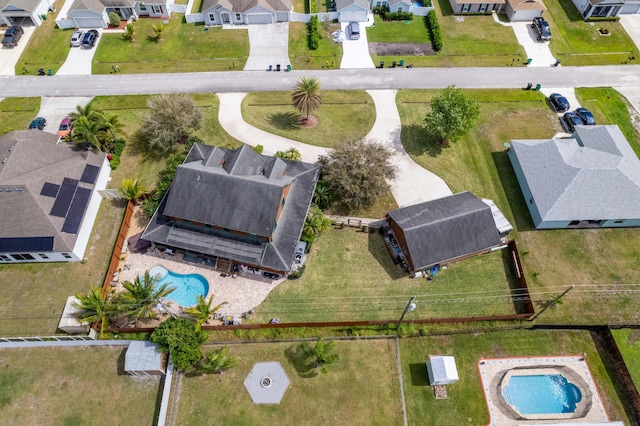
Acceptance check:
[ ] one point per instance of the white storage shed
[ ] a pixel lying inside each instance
(442, 370)
(69, 321)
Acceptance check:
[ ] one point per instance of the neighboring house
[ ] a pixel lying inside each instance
(399, 5)
(524, 10)
(23, 12)
(95, 13)
(591, 180)
(605, 8)
(235, 209)
(352, 10)
(238, 12)
(476, 6)
(445, 230)
(49, 197)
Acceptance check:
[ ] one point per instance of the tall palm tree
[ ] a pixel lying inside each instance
(132, 189)
(322, 196)
(95, 306)
(217, 361)
(112, 125)
(141, 296)
(202, 310)
(290, 154)
(86, 111)
(88, 133)
(306, 96)
(314, 224)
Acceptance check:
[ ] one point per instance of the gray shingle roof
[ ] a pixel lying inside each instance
(245, 5)
(238, 190)
(341, 4)
(26, 5)
(594, 175)
(142, 356)
(99, 6)
(447, 228)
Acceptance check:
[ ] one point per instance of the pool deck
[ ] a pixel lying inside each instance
(491, 368)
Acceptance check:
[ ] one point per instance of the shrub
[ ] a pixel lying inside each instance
(380, 10)
(258, 149)
(114, 19)
(398, 16)
(314, 36)
(604, 19)
(434, 30)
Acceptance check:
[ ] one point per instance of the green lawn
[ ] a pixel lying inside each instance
(302, 58)
(338, 397)
(552, 260)
(48, 47)
(629, 344)
(184, 48)
(73, 386)
(414, 31)
(576, 42)
(17, 113)
(466, 403)
(343, 116)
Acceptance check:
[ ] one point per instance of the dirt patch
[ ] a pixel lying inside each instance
(401, 49)
(308, 123)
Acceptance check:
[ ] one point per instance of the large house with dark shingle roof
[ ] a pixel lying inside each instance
(591, 180)
(23, 12)
(49, 197)
(445, 230)
(240, 12)
(231, 208)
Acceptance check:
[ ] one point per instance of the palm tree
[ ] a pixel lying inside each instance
(217, 362)
(290, 154)
(132, 189)
(321, 353)
(129, 32)
(95, 306)
(157, 29)
(202, 311)
(322, 196)
(88, 133)
(314, 224)
(306, 96)
(141, 296)
(112, 125)
(86, 111)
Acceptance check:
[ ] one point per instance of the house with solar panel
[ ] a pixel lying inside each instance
(590, 180)
(49, 197)
(235, 209)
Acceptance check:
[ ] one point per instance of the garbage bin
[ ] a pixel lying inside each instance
(537, 87)
(278, 67)
(50, 72)
(402, 62)
(529, 86)
(529, 60)
(381, 64)
(288, 67)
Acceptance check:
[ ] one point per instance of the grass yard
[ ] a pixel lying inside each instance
(17, 113)
(302, 58)
(337, 397)
(552, 260)
(477, 41)
(343, 116)
(48, 47)
(576, 42)
(351, 276)
(184, 48)
(73, 386)
(466, 403)
(629, 344)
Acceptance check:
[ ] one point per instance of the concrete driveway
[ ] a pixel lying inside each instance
(54, 109)
(268, 45)
(79, 60)
(355, 53)
(9, 57)
(631, 24)
(567, 92)
(536, 50)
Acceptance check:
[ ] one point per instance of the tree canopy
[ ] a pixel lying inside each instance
(180, 338)
(453, 114)
(170, 122)
(356, 173)
(93, 129)
(306, 96)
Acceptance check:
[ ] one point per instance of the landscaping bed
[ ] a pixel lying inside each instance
(399, 49)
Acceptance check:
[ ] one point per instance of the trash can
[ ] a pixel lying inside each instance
(537, 87)
(288, 67)
(529, 86)
(381, 64)
(402, 62)
(529, 60)
(50, 72)
(278, 67)
(270, 68)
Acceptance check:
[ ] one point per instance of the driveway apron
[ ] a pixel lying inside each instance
(355, 53)
(54, 109)
(9, 57)
(79, 60)
(269, 45)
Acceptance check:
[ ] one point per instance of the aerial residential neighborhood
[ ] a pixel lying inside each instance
(320, 212)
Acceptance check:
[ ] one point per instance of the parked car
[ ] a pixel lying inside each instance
(38, 123)
(353, 30)
(542, 28)
(559, 102)
(572, 120)
(586, 116)
(66, 125)
(89, 39)
(11, 36)
(76, 38)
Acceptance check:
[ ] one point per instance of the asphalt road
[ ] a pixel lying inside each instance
(250, 81)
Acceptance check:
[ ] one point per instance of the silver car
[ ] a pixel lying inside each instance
(76, 38)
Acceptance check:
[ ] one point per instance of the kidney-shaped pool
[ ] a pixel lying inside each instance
(188, 286)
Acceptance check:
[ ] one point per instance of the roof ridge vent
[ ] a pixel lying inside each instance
(11, 148)
(4, 160)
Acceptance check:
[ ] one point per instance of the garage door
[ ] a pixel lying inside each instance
(88, 22)
(525, 15)
(260, 18)
(630, 9)
(353, 16)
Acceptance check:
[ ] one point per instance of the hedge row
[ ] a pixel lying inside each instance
(604, 19)
(314, 35)
(434, 29)
(384, 13)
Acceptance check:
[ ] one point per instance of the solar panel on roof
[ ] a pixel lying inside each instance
(90, 174)
(26, 244)
(76, 211)
(50, 189)
(64, 198)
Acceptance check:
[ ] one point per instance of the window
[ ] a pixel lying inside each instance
(143, 8)
(378, 3)
(574, 223)
(399, 8)
(238, 17)
(601, 11)
(465, 8)
(66, 255)
(42, 255)
(156, 9)
(5, 258)
(531, 200)
(483, 7)
(212, 17)
(619, 221)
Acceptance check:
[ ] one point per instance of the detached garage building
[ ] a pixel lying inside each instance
(23, 12)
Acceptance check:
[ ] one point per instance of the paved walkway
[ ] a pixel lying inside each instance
(269, 45)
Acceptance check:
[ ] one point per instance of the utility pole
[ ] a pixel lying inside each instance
(410, 307)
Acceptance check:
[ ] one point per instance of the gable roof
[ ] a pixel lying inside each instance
(526, 4)
(237, 190)
(445, 229)
(594, 175)
(394, 2)
(26, 5)
(245, 5)
(343, 4)
(34, 161)
(99, 6)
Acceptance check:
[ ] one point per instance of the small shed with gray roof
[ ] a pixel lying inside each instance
(590, 180)
(143, 358)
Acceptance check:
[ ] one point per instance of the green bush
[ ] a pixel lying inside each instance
(604, 19)
(114, 19)
(434, 30)
(314, 36)
(258, 149)
(398, 16)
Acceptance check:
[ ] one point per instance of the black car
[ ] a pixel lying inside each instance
(11, 36)
(586, 116)
(38, 123)
(559, 102)
(89, 39)
(542, 28)
(572, 120)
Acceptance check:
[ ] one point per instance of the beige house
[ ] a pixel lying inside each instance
(524, 10)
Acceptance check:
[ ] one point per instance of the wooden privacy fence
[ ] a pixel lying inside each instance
(117, 250)
(524, 296)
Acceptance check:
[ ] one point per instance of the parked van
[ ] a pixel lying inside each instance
(353, 29)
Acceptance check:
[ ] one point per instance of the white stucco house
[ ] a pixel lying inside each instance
(95, 13)
(227, 12)
(23, 12)
(352, 10)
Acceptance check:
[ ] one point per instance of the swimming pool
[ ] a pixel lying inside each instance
(542, 394)
(188, 286)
